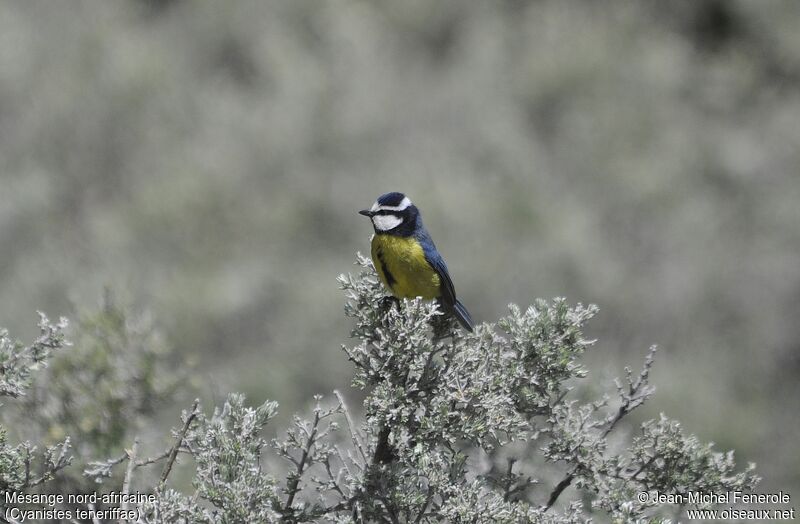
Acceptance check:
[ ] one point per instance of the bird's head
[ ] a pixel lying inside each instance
(392, 212)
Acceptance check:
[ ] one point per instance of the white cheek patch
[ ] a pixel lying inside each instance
(386, 222)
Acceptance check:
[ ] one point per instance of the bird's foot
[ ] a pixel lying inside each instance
(387, 302)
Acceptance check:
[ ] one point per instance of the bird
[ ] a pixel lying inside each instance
(406, 259)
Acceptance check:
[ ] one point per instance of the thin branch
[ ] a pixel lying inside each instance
(638, 392)
(351, 426)
(157, 458)
(567, 480)
(509, 479)
(93, 509)
(643, 467)
(292, 488)
(126, 483)
(47, 475)
(560, 487)
(174, 451)
(27, 468)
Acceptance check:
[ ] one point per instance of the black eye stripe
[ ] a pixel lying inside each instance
(386, 212)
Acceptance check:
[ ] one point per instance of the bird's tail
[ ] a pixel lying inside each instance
(463, 316)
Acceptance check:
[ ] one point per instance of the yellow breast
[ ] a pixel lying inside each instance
(401, 265)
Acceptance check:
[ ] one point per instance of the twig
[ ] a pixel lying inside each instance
(126, 483)
(638, 392)
(174, 451)
(560, 487)
(152, 460)
(292, 488)
(351, 426)
(643, 467)
(48, 473)
(93, 509)
(567, 480)
(509, 479)
(27, 468)
(139, 463)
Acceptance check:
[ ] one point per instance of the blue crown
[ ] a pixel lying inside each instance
(391, 199)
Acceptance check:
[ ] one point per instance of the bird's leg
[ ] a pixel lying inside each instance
(387, 302)
(443, 325)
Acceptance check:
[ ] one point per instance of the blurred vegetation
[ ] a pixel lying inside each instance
(206, 159)
(99, 394)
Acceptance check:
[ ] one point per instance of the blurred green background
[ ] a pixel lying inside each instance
(205, 160)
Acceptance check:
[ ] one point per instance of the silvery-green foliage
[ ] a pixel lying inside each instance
(448, 398)
(230, 485)
(226, 448)
(457, 428)
(175, 507)
(488, 386)
(483, 427)
(309, 445)
(18, 362)
(662, 459)
(21, 465)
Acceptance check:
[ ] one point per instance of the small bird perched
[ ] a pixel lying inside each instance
(406, 258)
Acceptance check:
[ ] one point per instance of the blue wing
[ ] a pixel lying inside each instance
(447, 290)
(432, 256)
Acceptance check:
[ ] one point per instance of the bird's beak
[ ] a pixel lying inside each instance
(366, 213)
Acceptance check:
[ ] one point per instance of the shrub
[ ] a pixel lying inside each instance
(21, 467)
(481, 427)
